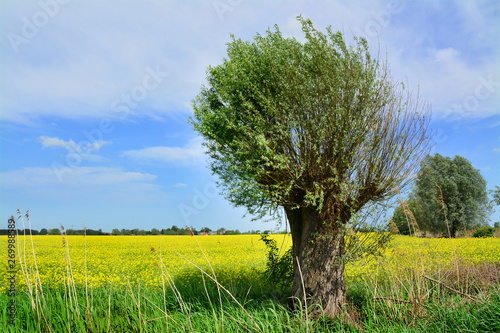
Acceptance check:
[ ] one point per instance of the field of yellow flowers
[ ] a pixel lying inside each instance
(406, 253)
(120, 260)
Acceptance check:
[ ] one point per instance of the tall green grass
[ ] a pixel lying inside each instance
(459, 298)
(136, 310)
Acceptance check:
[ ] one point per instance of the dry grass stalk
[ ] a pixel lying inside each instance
(223, 288)
(32, 278)
(394, 299)
(410, 218)
(215, 278)
(449, 288)
(393, 228)
(305, 296)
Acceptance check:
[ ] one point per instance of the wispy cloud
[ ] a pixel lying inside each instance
(88, 184)
(84, 59)
(192, 153)
(83, 147)
(496, 150)
(78, 177)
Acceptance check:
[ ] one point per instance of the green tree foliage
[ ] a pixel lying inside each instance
(318, 128)
(126, 232)
(54, 231)
(496, 195)
(450, 190)
(232, 232)
(484, 232)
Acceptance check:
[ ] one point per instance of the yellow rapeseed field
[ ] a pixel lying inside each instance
(405, 253)
(119, 260)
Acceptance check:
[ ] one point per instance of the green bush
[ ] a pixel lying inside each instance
(484, 232)
(279, 269)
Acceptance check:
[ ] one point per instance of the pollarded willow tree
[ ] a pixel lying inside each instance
(316, 127)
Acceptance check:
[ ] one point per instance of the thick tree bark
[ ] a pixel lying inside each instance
(318, 244)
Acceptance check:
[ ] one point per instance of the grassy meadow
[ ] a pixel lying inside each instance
(217, 284)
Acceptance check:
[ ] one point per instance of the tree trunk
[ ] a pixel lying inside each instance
(318, 244)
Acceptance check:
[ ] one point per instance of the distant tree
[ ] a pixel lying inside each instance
(43, 231)
(484, 232)
(452, 190)
(193, 230)
(126, 232)
(54, 231)
(30, 231)
(182, 231)
(221, 231)
(168, 232)
(155, 232)
(205, 229)
(115, 232)
(175, 228)
(496, 195)
(496, 225)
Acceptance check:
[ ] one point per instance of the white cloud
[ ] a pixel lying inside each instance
(82, 147)
(72, 177)
(496, 150)
(447, 55)
(192, 153)
(56, 142)
(84, 58)
(88, 184)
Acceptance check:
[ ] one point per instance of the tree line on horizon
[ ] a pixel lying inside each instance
(173, 230)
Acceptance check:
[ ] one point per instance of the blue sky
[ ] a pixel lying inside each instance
(95, 97)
